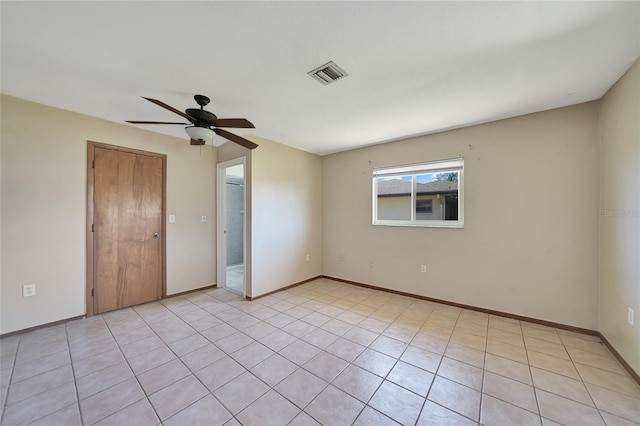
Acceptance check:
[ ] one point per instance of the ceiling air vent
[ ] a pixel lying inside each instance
(328, 73)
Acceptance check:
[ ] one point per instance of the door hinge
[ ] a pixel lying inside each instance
(93, 292)
(93, 228)
(93, 164)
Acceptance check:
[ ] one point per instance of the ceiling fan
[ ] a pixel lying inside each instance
(203, 124)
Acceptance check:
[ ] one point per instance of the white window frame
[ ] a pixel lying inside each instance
(440, 166)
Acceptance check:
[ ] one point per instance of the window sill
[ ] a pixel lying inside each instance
(435, 224)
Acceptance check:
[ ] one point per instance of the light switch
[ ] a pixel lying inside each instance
(172, 218)
(203, 219)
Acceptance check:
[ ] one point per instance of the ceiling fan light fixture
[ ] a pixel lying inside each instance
(200, 133)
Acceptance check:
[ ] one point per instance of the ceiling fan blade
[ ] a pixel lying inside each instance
(156, 122)
(170, 108)
(196, 142)
(240, 123)
(235, 138)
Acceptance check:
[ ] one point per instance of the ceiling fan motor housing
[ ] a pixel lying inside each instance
(201, 116)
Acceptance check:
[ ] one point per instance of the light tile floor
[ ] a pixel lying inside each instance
(320, 353)
(235, 278)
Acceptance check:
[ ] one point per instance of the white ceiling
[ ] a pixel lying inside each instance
(414, 67)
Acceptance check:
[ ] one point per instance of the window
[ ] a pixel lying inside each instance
(426, 194)
(424, 206)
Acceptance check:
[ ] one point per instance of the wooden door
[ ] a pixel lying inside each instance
(127, 237)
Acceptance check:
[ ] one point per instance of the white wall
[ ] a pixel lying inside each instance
(44, 207)
(529, 245)
(620, 215)
(286, 216)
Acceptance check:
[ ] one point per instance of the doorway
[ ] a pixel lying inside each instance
(126, 192)
(231, 225)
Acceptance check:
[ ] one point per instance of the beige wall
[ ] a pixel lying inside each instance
(43, 209)
(286, 216)
(514, 254)
(620, 215)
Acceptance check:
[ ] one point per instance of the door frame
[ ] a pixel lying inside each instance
(89, 290)
(221, 219)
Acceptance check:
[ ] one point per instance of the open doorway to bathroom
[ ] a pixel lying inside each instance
(231, 223)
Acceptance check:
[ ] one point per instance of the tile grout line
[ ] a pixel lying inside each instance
(15, 362)
(570, 378)
(484, 364)
(386, 375)
(234, 416)
(298, 365)
(13, 366)
(131, 369)
(509, 378)
(435, 373)
(73, 373)
(193, 373)
(582, 381)
(166, 345)
(533, 384)
(209, 392)
(330, 382)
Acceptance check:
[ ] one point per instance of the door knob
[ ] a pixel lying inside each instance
(156, 235)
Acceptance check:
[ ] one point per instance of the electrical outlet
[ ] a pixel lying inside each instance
(423, 269)
(341, 257)
(28, 290)
(307, 257)
(203, 219)
(371, 264)
(630, 316)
